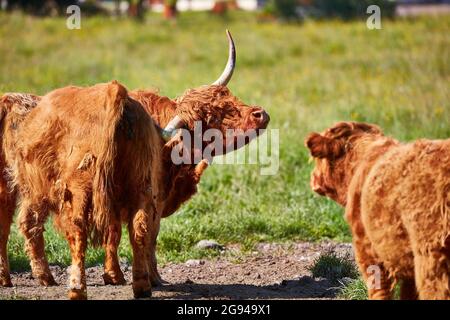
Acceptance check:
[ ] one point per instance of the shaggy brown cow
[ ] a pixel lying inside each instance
(397, 201)
(205, 104)
(13, 109)
(71, 157)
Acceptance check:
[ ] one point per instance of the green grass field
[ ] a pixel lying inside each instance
(307, 77)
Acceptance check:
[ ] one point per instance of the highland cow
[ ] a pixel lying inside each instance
(397, 202)
(71, 158)
(213, 106)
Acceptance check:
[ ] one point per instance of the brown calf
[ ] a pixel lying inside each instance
(397, 202)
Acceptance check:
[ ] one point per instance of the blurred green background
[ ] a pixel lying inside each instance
(307, 75)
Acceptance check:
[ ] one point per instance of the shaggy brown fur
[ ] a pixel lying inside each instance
(215, 107)
(13, 109)
(50, 164)
(397, 201)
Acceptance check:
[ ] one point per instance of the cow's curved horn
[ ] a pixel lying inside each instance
(173, 125)
(231, 63)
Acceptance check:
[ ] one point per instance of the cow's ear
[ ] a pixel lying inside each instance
(200, 168)
(323, 147)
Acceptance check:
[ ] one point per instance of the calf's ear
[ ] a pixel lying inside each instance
(323, 147)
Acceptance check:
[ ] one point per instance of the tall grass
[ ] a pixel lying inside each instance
(307, 76)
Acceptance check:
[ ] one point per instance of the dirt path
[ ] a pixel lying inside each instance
(272, 271)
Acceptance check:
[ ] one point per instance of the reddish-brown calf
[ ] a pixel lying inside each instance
(397, 202)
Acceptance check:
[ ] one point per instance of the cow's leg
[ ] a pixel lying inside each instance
(375, 276)
(430, 243)
(113, 275)
(75, 229)
(140, 243)
(155, 277)
(432, 271)
(7, 206)
(408, 289)
(379, 284)
(77, 279)
(31, 223)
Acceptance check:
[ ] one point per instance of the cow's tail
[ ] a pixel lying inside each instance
(103, 184)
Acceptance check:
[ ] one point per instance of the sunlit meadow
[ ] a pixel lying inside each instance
(307, 76)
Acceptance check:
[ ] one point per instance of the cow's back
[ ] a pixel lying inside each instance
(56, 135)
(408, 187)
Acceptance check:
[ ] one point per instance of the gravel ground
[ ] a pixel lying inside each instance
(272, 271)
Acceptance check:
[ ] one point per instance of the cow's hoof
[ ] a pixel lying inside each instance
(141, 293)
(115, 279)
(158, 282)
(5, 282)
(47, 281)
(77, 294)
(155, 277)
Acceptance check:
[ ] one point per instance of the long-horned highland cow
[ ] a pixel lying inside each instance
(397, 203)
(66, 156)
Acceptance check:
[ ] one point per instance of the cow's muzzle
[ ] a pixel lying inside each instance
(260, 117)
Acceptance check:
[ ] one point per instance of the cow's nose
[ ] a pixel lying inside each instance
(261, 116)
